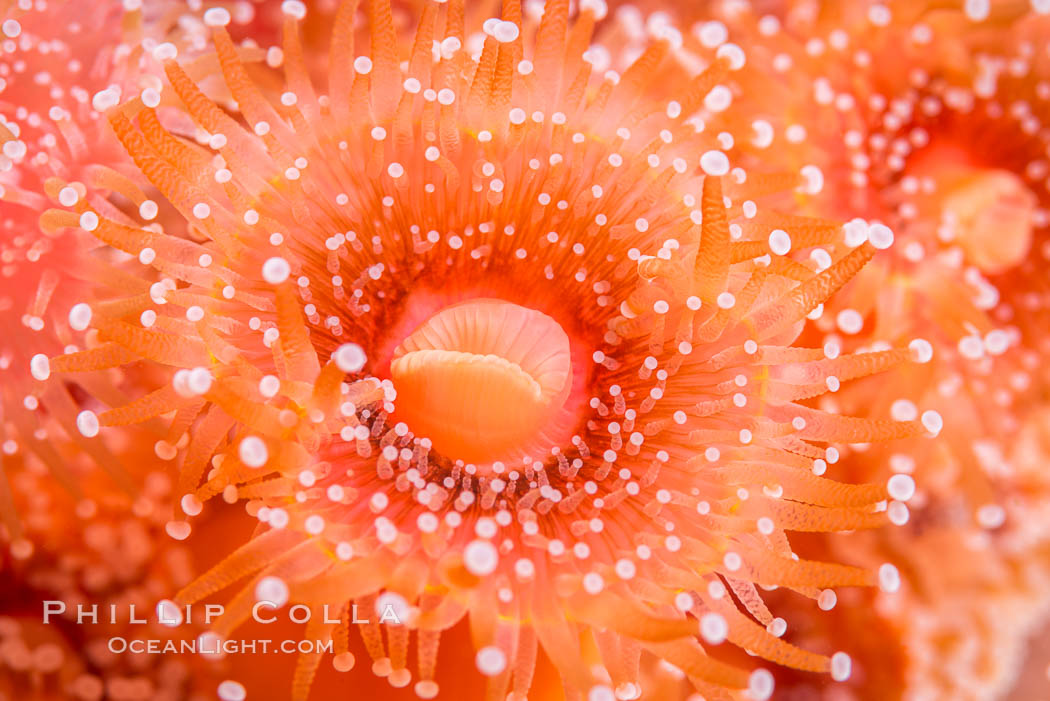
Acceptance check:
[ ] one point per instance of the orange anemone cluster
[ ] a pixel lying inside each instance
(602, 376)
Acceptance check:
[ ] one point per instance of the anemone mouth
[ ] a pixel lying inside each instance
(988, 211)
(995, 213)
(487, 381)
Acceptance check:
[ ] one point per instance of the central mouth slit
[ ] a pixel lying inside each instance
(486, 381)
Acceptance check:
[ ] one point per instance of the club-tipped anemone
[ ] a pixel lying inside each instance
(929, 120)
(968, 605)
(52, 153)
(484, 333)
(926, 122)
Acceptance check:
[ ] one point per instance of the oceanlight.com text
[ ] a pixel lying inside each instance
(213, 646)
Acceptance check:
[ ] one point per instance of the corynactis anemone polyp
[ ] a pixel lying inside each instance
(918, 124)
(50, 136)
(927, 120)
(473, 335)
